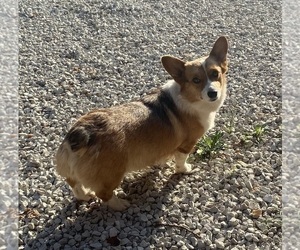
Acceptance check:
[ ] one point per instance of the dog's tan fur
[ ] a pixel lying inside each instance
(106, 143)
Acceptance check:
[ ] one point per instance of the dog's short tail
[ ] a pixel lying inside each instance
(78, 138)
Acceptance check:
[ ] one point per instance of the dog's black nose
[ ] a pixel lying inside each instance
(212, 94)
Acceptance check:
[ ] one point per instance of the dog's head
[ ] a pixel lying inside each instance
(204, 78)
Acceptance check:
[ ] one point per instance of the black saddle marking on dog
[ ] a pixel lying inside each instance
(160, 103)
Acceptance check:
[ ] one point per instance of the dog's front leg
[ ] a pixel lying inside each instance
(181, 165)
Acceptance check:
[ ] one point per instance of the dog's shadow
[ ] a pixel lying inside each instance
(87, 224)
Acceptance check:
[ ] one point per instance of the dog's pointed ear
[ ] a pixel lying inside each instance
(174, 66)
(219, 50)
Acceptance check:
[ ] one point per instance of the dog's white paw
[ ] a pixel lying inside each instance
(82, 197)
(117, 204)
(186, 168)
(82, 193)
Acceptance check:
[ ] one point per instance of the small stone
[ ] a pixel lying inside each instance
(77, 237)
(201, 244)
(231, 215)
(78, 227)
(71, 242)
(144, 244)
(262, 226)
(86, 234)
(57, 236)
(96, 245)
(223, 224)
(234, 241)
(98, 233)
(244, 205)
(253, 247)
(125, 241)
(214, 209)
(254, 204)
(249, 236)
(256, 213)
(208, 242)
(57, 221)
(180, 243)
(248, 184)
(265, 190)
(144, 217)
(216, 230)
(233, 222)
(209, 235)
(31, 226)
(220, 243)
(63, 241)
(113, 232)
(268, 198)
(135, 233)
(194, 241)
(87, 227)
(41, 83)
(257, 171)
(56, 246)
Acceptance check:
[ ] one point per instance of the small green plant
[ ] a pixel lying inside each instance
(209, 145)
(254, 136)
(245, 139)
(258, 132)
(229, 127)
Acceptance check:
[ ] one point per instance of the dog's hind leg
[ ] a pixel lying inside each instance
(106, 193)
(117, 204)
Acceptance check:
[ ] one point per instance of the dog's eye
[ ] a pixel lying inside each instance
(196, 80)
(215, 73)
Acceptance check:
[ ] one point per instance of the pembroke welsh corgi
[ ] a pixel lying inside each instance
(105, 144)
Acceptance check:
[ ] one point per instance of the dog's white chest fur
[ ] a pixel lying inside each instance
(208, 120)
(206, 112)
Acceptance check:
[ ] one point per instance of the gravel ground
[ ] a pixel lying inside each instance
(8, 125)
(78, 55)
(291, 121)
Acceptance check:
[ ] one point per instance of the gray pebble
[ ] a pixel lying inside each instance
(144, 217)
(113, 232)
(233, 222)
(220, 243)
(249, 236)
(96, 245)
(268, 198)
(56, 246)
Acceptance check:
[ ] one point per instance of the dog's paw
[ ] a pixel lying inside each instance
(118, 204)
(186, 168)
(83, 195)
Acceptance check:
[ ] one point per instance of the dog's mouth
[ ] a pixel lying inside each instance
(213, 99)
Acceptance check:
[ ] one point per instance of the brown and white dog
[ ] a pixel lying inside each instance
(106, 143)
